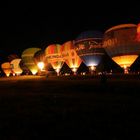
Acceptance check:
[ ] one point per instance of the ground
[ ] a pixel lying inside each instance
(71, 106)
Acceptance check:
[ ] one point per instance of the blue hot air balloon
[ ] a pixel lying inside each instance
(88, 46)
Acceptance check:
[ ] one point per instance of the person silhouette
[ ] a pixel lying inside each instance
(103, 78)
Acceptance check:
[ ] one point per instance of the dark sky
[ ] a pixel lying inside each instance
(34, 24)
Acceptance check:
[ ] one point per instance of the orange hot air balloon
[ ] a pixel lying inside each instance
(6, 67)
(70, 56)
(54, 57)
(138, 32)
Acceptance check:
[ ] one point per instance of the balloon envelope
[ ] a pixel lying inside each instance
(6, 67)
(70, 56)
(24, 67)
(88, 46)
(39, 56)
(28, 59)
(16, 67)
(12, 57)
(121, 44)
(54, 57)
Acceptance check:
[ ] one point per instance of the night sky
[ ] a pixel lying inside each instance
(25, 25)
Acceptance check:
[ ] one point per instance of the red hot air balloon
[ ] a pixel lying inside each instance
(70, 56)
(54, 57)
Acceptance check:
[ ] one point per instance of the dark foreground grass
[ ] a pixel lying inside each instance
(78, 107)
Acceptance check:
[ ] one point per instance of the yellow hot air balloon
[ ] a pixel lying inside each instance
(70, 56)
(121, 44)
(28, 59)
(6, 67)
(54, 57)
(15, 66)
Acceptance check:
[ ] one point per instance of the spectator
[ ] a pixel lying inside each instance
(103, 78)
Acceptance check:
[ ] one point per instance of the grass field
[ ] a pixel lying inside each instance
(72, 106)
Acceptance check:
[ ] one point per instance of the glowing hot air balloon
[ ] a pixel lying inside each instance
(15, 66)
(54, 57)
(88, 46)
(121, 44)
(40, 61)
(138, 32)
(28, 59)
(6, 67)
(39, 56)
(70, 56)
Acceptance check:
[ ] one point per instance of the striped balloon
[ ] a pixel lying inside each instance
(70, 56)
(54, 57)
(28, 59)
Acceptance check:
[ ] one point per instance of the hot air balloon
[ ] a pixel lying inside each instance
(28, 59)
(138, 32)
(121, 44)
(70, 56)
(15, 66)
(6, 67)
(12, 57)
(24, 68)
(40, 61)
(39, 56)
(88, 46)
(54, 57)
